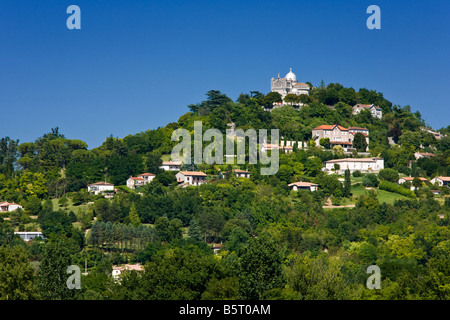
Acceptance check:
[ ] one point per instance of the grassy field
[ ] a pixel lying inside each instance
(383, 196)
(70, 206)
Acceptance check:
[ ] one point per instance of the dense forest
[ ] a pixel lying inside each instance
(275, 243)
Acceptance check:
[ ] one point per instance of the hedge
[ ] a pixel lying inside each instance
(393, 187)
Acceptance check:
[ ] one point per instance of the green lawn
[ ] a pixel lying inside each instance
(383, 196)
(70, 206)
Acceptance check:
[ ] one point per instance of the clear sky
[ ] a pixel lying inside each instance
(136, 65)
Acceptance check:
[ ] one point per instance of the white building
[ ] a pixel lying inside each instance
(303, 186)
(242, 173)
(118, 270)
(441, 181)
(419, 155)
(288, 85)
(101, 187)
(191, 178)
(7, 206)
(410, 179)
(171, 166)
(140, 180)
(376, 111)
(366, 165)
(29, 235)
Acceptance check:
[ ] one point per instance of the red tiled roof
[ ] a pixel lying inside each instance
(138, 178)
(146, 174)
(341, 142)
(101, 183)
(302, 184)
(412, 178)
(443, 178)
(330, 127)
(171, 163)
(193, 173)
(241, 171)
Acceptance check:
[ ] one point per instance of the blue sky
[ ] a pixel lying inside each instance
(136, 65)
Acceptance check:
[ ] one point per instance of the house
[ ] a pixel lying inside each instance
(8, 207)
(117, 270)
(303, 186)
(437, 135)
(410, 179)
(372, 165)
(419, 155)
(441, 181)
(191, 178)
(242, 173)
(436, 192)
(338, 135)
(376, 111)
(29, 235)
(102, 188)
(140, 180)
(171, 166)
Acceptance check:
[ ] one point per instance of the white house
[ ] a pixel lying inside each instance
(303, 186)
(242, 173)
(118, 270)
(419, 155)
(29, 235)
(140, 180)
(101, 187)
(192, 178)
(410, 179)
(171, 165)
(366, 165)
(7, 206)
(441, 181)
(374, 110)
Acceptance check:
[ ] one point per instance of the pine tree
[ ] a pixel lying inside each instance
(133, 216)
(347, 184)
(194, 231)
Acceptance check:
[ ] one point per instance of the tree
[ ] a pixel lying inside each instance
(370, 180)
(259, 269)
(133, 216)
(388, 174)
(16, 275)
(33, 206)
(347, 184)
(359, 142)
(52, 275)
(325, 142)
(153, 162)
(63, 202)
(271, 98)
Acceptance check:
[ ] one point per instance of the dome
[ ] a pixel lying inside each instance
(291, 76)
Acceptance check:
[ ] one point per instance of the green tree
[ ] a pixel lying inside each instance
(16, 275)
(359, 142)
(260, 269)
(52, 275)
(347, 184)
(388, 174)
(133, 216)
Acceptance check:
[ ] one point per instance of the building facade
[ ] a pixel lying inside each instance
(288, 85)
(140, 180)
(191, 178)
(374, 110)
(171, 166)
(101, 187)
(365, 165)
(338, 135)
